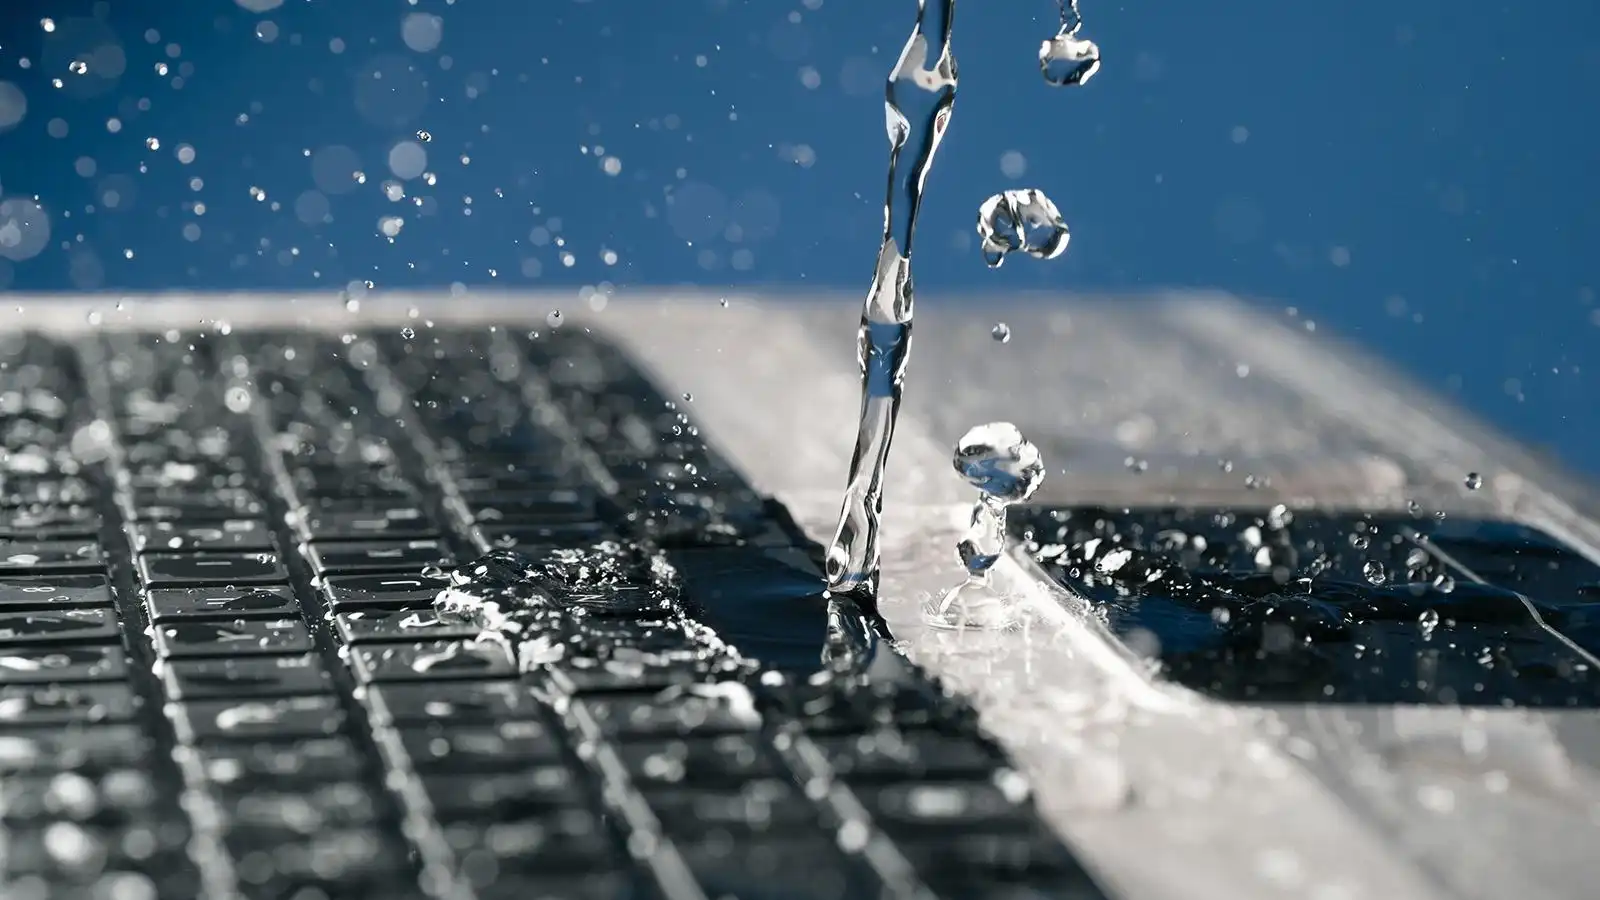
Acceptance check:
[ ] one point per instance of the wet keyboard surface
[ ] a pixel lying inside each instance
(1290, 606)
(222, 672)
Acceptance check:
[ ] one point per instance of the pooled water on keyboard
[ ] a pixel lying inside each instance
(920, 95)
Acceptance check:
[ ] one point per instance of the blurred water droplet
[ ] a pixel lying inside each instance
(1427, 622)
(688, 397)
(554, 319)
(351, 305)
(1473, 481)
(1443, 583)
(424, 136)
(1001, 332)
(1021, 220)
(408, 332)
(1374, 572)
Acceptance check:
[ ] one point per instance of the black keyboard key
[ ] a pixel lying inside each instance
(245, 678)
(77, 749)
(432, 661)
(265, 601)
(389, 591)
(50, 556)
(663, 715)
(279, 719)
(366, 524)
(62, 665)
(44, 490)
(57, 626)
(592, 886)
(226, 536)
(959, 807)
(569, 840)
(338, 862)
(111, 797)
(454, 747)
(915, 753)
(243, 764)
(451, 703)
(400, 625)
(533, 537)
(53, 592)
(184, 505)
(735, 758)
(750, 809)
(341, 558)
(235, 638)
(504, 796)
(185, 569)
(303, 810)
(46, 523)
(535, 508)
(808, 867)
(78, 704)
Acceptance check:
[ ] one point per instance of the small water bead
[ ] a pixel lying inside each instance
(554, 319)
(996, 459)
(1001, 333)
(408, 332)
(1021, 220)
(424, 136)
(1375, 572)
(1067, 60)
(1427, 622)
(1473, 481)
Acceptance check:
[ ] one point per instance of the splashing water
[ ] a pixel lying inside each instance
(1021, 220)
(1066, 60)
(918, 100)
(1006, 468)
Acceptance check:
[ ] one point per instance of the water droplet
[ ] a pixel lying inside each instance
(408, 332)
(1001, 332)
(723, 301)
(1473, 481)
(424, 136)
(1024, 220)
(78, 67)
(1427, 622)
(1375, 572)
(1067, 60)
(153, 143)
(554, 319)
(688, 397)
(1443, 583)
(996, 459)
(351, 305)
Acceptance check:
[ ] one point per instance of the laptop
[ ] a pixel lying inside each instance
(448, 598)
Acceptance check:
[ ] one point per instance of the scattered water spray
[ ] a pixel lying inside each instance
(1023, 220)
(1067, 59)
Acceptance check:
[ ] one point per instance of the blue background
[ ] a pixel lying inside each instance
(1419, 175)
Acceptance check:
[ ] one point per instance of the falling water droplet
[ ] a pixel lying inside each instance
(351, 304)
(1473, 481)
(1375, 572)
(1427, 622)
(1443, 583)
(1024, 220)
(1006, 468)
(688, 397)
(1067, 60)
(1001, 333)
(408, 332)
(554, 319)
(424, 136)
(920, 95)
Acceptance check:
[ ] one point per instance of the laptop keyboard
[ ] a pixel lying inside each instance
(222, 672)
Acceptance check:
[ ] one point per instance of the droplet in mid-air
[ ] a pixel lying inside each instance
(554, 319)
(1001, 332)
(424, 136)
(1473, 481)
(1427, 622)
(1067, 60)
(1021, 220)
(999, 461)
(1375, 572)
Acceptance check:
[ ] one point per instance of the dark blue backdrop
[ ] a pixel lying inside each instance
(1419, 174)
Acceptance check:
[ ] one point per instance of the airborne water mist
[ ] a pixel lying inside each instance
(918, 99)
